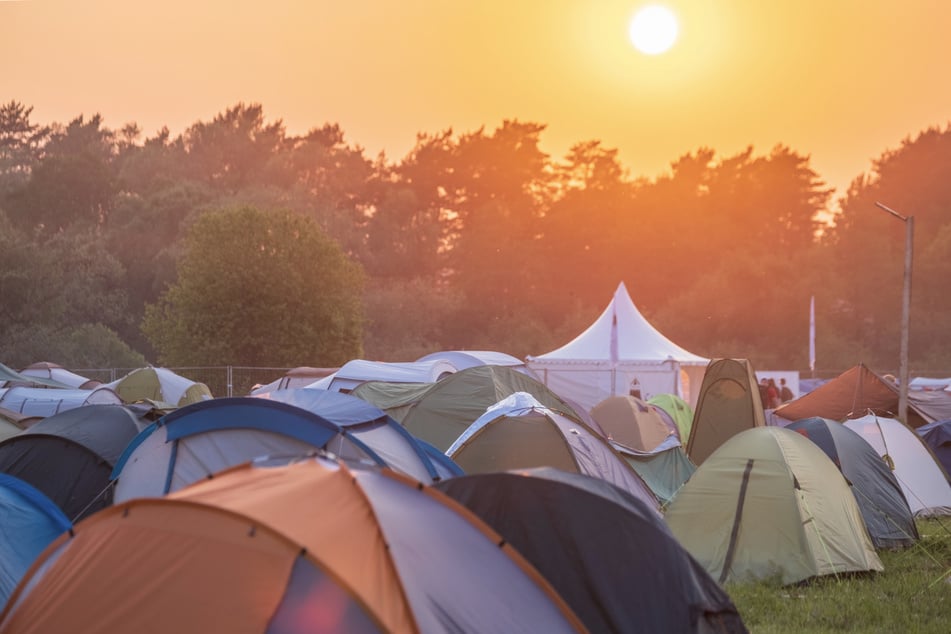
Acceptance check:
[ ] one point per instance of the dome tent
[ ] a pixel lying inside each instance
(312, 547)
(922, 480)
(198, 440)
(521, 433)
(768, 502)
(886, 513)
(161, 385)
(69, 457)
(557, 521)
(29, 522)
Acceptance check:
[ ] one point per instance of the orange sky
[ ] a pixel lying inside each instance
(839, 80)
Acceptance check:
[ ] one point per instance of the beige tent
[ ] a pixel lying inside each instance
(770, 503)
(629, 421)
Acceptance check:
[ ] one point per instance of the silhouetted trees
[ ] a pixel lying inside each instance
(472, 240)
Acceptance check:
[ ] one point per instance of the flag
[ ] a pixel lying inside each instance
(812, 335)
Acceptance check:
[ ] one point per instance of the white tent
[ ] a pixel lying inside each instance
(922, 479)
(358, 371)
(35, 401)
(620, 353)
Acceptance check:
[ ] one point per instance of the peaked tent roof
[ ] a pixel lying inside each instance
(853, 393)
(621, 333)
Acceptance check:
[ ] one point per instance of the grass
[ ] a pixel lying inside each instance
(912, 594)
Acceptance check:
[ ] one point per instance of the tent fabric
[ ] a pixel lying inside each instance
(55, 372)
(358, 371)
(10, 376)
(392, 545)
(463, 359)
(629, 421)
(396, 399)
(884, 508)
(388, 439)
(29, 522)
(937, 436)
(448, 407)
(7, 425)
(922, 480)
(729, 403)
(398, 545)
(677, 410)
(664, 471)
(201, 439)
(547, 516)
(769, 503)
(231, 574)
(160, 384)
(521, 433)
(35, 401)
(69, 457)
(294, 378)
(852, 394)
(620, 349)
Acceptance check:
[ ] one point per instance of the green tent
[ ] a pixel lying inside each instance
(677, 409)
(160, 386)
(769, 503)
(448, 407)
(396, 399)
(729, 403)
(664, 471)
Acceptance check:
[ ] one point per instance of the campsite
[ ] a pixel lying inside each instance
(474, 491)
(613, 316)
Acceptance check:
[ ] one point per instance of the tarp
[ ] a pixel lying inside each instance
(769, 503)
(609, 556)
(664, 470)
(855, 393)
(619, 353)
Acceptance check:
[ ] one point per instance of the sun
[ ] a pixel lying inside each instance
(653, 29)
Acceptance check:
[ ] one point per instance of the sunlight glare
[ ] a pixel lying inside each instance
(653, 29)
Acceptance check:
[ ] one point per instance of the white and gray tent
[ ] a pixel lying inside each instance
(38, 401)
(922, 479)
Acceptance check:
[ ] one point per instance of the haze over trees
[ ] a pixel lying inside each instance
(473, 240)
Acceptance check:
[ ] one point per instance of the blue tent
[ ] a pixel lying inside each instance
(203, 438)
(937, 436)
(29, 521)
(884, 508)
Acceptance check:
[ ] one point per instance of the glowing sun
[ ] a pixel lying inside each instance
(653, 29)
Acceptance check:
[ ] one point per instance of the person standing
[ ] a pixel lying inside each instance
(785, 394)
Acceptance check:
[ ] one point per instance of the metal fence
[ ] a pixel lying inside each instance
(229, 380)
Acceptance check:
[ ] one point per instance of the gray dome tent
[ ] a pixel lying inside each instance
(547, 515)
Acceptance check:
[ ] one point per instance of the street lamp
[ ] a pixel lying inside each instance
(905, 312)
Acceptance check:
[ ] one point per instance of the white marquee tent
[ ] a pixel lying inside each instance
(620, 353)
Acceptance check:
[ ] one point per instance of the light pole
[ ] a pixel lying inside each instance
(905, 312)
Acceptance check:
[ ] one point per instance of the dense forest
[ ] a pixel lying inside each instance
(237, 243)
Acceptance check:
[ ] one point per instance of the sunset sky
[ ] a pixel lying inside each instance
(839, 80)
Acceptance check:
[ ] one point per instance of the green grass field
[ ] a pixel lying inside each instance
(913, 594)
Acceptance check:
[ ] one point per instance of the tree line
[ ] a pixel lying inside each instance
(236, 242)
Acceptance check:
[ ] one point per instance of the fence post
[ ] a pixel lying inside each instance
(230, 382)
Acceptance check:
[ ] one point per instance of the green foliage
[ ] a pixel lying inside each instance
(258, 288)
(910, 595)
(83, 346)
